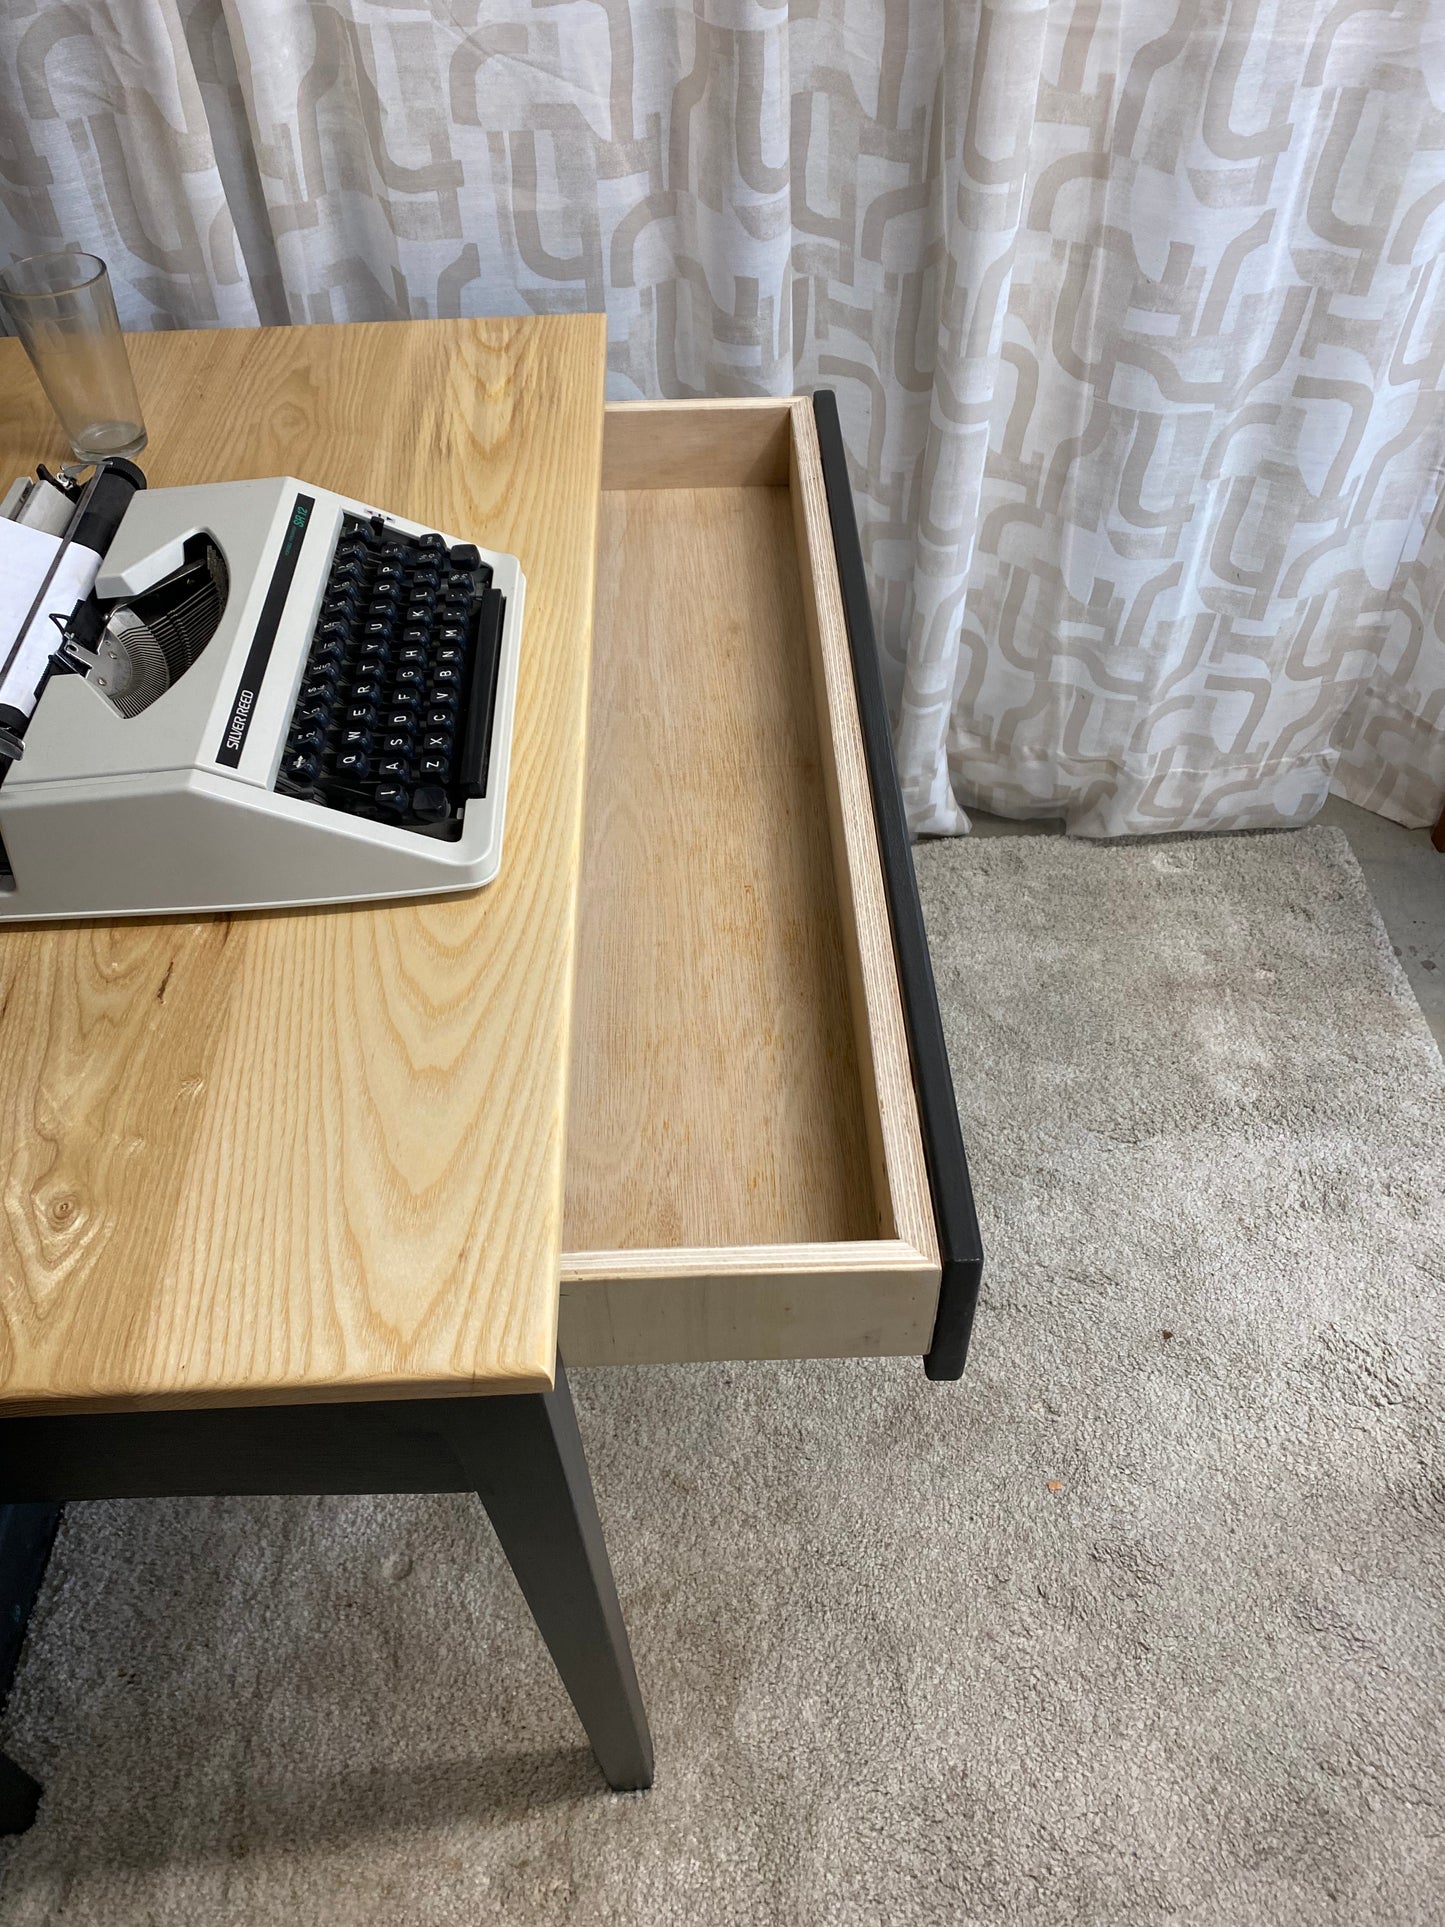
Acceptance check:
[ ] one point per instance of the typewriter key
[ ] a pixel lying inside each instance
(430, 804)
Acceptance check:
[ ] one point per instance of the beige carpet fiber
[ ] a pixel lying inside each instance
(1141, 1622)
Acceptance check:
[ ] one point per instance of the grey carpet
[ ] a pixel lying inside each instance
(1140, 1623)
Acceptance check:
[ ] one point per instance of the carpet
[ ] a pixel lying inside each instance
(1139, 1623)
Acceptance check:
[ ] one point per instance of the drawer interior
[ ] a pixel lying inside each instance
(727, 1116)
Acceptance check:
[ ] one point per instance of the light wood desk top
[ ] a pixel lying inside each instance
(319, 1155)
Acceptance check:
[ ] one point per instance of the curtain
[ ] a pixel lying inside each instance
(1134, 310)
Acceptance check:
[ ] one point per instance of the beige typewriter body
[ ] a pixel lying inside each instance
(176, 808)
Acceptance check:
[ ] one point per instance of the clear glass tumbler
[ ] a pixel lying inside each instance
(62, 308)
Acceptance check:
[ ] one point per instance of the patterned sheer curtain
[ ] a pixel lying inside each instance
(1134, 309)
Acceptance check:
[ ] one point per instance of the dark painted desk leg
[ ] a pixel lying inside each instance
(19, 1797)
(524, 1456)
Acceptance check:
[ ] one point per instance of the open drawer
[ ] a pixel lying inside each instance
(752, 1161)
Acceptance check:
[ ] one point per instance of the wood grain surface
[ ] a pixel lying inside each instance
(733, 443)
(319, 1155)
(715, 1095)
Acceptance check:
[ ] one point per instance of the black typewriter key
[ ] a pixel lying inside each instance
(368, 690)
(411, 677)
(360, 716)
(437, 742)
(390, 570)
(430, 804)
(400, 716)
(451, 653)
(357, 738)
(321, 680)
(451, 632)
(441, 715)
(333, 629)
(444, 676)
(417, 632)
(414, 655)
(464, 555)
(304, 768)
(305, 742)
(351, 570)
(394, 769)
(437, 767)
(312, 709)
(433, 543)
(398, 742)
(394, 798)
(354, 765)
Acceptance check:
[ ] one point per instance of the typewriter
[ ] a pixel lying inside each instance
(244, 695)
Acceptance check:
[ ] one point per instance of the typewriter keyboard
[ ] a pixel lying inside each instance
(394, 717)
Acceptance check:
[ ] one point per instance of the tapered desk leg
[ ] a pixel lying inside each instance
(19, 1797)
(524, 1456)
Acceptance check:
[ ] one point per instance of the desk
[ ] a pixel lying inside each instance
(284, 1191)
(281, 1189)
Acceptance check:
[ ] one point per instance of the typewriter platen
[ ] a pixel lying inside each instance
(246, 694)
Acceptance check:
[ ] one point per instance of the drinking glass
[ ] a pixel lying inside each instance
(62, 308)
